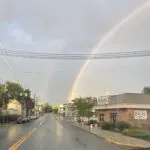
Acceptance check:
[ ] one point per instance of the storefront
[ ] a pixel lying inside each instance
(129, 107)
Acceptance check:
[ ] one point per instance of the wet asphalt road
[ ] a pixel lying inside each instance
(51, 135)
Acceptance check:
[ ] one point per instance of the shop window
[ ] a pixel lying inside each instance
(113, 117)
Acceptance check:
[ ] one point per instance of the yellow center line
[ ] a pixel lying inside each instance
(18, 143)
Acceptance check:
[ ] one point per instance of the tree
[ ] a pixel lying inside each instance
(11, 90)
(26, 101)
(146, 90)
(55, 109)
(47, 108)
(1, 95)
(83, 106)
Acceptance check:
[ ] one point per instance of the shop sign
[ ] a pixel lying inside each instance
(140, 114)
(103, 100)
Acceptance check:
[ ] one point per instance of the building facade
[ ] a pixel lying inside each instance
(66, 110)
(61, 110)
(133, 108)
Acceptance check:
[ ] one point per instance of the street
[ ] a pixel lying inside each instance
(47, 133)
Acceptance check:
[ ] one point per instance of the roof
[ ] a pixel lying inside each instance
(130, 98)
(116, 106)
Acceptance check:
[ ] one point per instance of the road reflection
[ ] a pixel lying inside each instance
(13, 132)
(59, 131)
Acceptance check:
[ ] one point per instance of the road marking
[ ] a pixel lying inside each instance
(24, 138)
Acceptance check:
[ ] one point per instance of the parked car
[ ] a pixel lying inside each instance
(19, 119)
(33, 117)
(22, 119)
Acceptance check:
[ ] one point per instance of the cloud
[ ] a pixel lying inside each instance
(17, 34)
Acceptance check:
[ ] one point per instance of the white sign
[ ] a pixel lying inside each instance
(140, 114)
(102, 100)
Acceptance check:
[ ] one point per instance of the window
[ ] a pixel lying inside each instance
(113, 117)
(101, 117)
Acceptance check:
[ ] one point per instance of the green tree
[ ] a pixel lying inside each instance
(55, 109)
(47, 107)
(9, 90)
(83, 106)
(13, 90)
(146, 90)
(26, 101)
(1, 95)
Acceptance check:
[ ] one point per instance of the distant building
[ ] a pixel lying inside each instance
(61, 110)
(66, 110)
(133, 108)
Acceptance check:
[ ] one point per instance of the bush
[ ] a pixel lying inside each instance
(92, 122)
(8, 118)
(99, 124)
(108, 126)
(123, 125)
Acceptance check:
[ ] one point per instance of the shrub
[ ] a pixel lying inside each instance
(108, 126)
(8, 118)
(99, 124)
(92, 122)
(123, 125)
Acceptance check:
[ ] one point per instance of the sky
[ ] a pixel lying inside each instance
(74, 26)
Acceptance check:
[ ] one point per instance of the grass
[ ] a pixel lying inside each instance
(137, 133)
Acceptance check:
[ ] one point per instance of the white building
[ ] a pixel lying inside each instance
(61, 110)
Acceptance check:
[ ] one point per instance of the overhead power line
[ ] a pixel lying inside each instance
(10, 70)
(74, 56)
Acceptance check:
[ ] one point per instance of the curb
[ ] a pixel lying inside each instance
(111, 140)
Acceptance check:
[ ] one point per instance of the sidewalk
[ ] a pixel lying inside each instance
(115, 138)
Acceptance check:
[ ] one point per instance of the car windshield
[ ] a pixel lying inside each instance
(74, 74)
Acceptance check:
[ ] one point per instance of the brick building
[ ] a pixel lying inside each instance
(133, 108)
